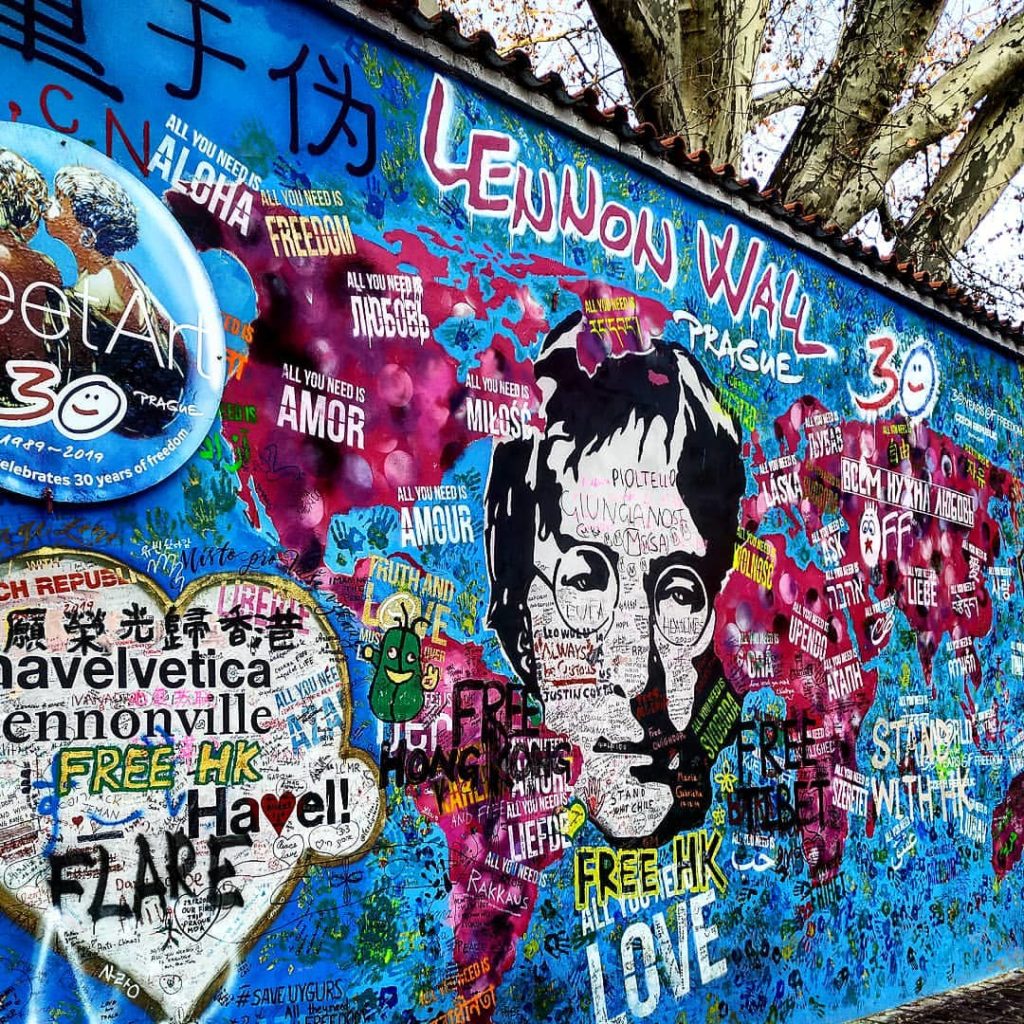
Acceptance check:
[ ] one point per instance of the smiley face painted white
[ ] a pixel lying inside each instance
(90, 407)
(919, 381)
(870, 535)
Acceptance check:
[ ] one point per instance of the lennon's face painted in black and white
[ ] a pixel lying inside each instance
(610, 531)
(617, 597)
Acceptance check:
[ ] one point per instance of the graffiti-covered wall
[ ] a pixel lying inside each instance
(454, 572)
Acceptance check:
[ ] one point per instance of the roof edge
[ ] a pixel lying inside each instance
(439, 40)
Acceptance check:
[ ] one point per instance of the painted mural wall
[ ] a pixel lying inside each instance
(450, 574)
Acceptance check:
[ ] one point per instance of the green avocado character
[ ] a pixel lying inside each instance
(396, 693)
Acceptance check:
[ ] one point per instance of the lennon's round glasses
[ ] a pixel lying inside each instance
(586, 589)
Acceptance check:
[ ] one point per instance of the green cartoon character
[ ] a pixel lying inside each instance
(396, 693)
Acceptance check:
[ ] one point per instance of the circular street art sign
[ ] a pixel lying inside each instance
(112, 355)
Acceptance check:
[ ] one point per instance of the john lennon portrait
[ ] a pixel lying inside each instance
(609, 534)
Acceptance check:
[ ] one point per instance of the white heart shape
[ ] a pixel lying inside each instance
(176, 768)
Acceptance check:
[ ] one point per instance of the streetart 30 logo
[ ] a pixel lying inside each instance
(111, 345)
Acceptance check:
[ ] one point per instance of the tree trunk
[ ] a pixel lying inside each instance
(689, 65)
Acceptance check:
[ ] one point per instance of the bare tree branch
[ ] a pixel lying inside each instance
(995, 64)
(776, 101)
(877, 53)
(982, 165)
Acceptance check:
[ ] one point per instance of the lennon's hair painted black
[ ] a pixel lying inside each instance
(663, 383)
